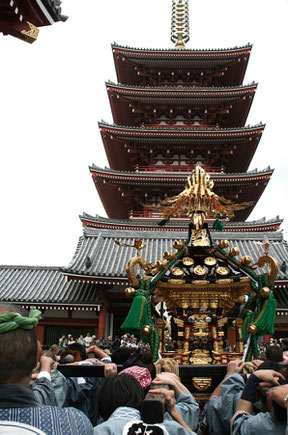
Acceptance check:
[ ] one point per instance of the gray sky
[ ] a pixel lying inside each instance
(53, 94)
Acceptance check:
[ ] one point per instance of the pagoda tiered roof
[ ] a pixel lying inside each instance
(20, 18)
(122, 192)
(225, 106)
(107, 260)
(46, 287)
(228, 65)
(126, 146)
(149, 224)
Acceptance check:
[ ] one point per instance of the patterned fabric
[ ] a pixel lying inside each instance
(124, 420)
(50, 419)
(140, 428)
(243, 423)
(142, 375)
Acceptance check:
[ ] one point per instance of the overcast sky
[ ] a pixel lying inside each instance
(53, 94)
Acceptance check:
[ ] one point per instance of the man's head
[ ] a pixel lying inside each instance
(116, 391)
(274, 353)
(18, 354)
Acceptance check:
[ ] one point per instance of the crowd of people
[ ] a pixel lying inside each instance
(110, 345)
(35, 397)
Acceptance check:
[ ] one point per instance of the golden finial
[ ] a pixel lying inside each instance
(180, 23)
(197, 200)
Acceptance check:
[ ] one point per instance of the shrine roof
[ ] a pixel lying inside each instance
(45, 286)
(156, 176)
(97, 221)
(180, 53)
(107, 260)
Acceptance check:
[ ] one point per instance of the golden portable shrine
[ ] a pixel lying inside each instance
(187, 301)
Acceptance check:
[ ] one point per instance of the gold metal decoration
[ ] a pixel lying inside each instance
(32, 34)
(187, 261)
(252, 329)
(200, 237)
(273, 263)
(167, 255)
(130, 270)
(146, 330)
(198, 199)
(178, 244)
(200, 293)
(130, 291)
(202, 384)
(224, 244)
(200, 271)
(223, 271)
(177, 271)
(210, 261)
(200, 356)
(180, 23)
(234, 252)
(265, 292)
(138, 244)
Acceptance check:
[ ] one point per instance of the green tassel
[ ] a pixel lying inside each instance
(163, 222)
(138, 314)
(266, 318)
(217, 225)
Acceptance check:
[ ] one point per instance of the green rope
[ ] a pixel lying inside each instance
(11, 321)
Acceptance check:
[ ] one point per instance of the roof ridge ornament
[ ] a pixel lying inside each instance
(180, 23)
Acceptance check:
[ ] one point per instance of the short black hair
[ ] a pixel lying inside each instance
(116, 391)
(274, 353)
(18, 350)
(121, 355)
(80, 348)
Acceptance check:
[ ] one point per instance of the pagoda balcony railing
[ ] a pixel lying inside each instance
(178, 168)
(153, 215)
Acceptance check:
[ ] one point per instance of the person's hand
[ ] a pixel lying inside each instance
(277, 394)
(45, 363)
(235, 366)
(257, 363)
(268, 377)
(109, 369)
(169, 397)
(166, 378)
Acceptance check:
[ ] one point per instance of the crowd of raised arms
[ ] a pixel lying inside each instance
(36, 398)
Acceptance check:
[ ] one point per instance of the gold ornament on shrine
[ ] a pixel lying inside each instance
(130, 291)
(187, 261)
(146, 331)
(252, 329)
(210, 261)
(265, 292)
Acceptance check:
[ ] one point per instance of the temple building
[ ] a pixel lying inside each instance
(172, 109)
(21, 18)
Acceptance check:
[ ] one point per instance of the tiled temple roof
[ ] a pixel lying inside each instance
(45, 286)
(107, 260)
(170, 91)
(257, 225)
(169, 175)
(134, 130)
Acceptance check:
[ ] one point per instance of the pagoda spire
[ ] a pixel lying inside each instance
(180, 23)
